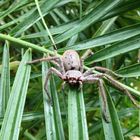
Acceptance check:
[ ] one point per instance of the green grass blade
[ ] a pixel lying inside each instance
(130, 71)
(53, 120)
(77, 123)
(83, 130)
(116, 49)
(56, 110)
(45, 7)
(106, 25)
(55, 30)
(13, 66)
(12, 8)
(89, 19)
(114, 36)
(5, 80)
(23, 18)
(27, 117)
(12, 119)
(44, 23)
(23, 43)
(112, 130)
(125, 6)
(10, 23)
(73, 115)
(48, 110)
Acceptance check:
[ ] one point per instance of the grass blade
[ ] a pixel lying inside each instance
(12, 8)
(114, 36)
(55, 30)
(73, 115)
(56, 110)
(116, 49)
(77, 124)
(112, 130)
(45, 7)
(125, 6)
(89, 19)
(12, 119)
(53, 120)
(48, 110)
(83, 130)
(5, 80)
(24, 43)
(27, 117)
(130, 71)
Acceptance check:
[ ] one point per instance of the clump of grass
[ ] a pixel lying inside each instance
(110, 29)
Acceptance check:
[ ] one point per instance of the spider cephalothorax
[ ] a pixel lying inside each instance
(73, 77)
(71, 71)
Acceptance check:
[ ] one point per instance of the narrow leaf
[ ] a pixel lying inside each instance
(114, 36)
(83, 130)
(55, 30)
(73, 115)
(48, 110)
(13, 116)
(23, 43)
(89, 19)
(30, 116)
(116, 49)
(45, 7)
(130, 71)
(13, 7)
(5, 80)
(56, 110)
(125, 6)
(112, 130)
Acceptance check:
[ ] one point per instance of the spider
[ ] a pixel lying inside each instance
(72, 72)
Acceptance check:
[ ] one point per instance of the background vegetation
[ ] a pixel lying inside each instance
(111, 29)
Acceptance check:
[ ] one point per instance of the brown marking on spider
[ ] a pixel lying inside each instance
(71, 71)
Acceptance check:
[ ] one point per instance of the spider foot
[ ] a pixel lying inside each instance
(50, 102)
(106, 116)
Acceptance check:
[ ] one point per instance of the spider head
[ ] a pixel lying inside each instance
(73, 77)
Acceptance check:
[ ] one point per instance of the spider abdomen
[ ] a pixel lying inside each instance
(71, 60)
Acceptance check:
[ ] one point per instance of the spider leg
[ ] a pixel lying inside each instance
(50, 71)
(88, 72)
(84, 56)
(106, 70)
(92, 79)
(101, 69)
(87, 54)
(63, 87)
(80, 85)
(55, 59)
(116, 84)
(43, 59)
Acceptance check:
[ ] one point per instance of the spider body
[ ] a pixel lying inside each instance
(71, 60)
(71, 71)
(73, 77)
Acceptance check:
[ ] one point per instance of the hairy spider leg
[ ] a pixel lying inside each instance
(55, 59)
(43, 59)
(50, 71)
(87, 54)
(120, 87)
(93, 79)
(101, 69)
(84, 56)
